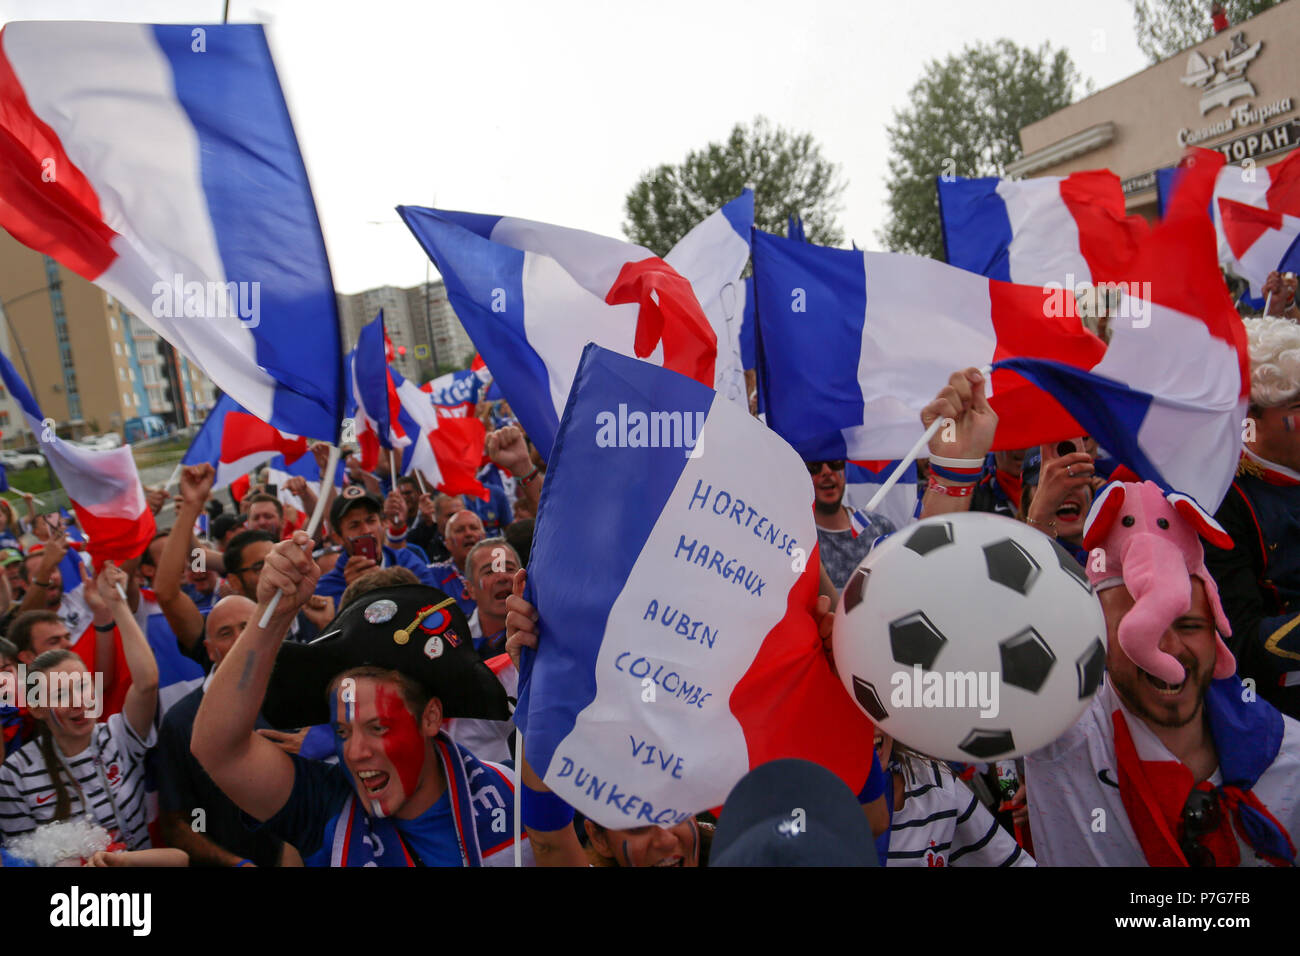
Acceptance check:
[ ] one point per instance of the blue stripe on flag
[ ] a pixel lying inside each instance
(264, 217)
(551, 698)
(206, 446)
(485, 285)
(810, 357)
(747, 358)
(478, 223)
(740, 213)
(975, 226)
(1109, 411)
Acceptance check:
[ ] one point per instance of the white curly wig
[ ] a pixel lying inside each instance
(1274, 360)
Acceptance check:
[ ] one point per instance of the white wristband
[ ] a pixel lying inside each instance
(957, 462)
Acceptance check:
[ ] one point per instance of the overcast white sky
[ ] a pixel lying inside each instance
(550, 110)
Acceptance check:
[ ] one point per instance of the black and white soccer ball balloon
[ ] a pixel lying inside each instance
(970, 637)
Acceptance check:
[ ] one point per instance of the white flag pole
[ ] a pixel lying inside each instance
(519, 798)
(312, 525)
(915, 452)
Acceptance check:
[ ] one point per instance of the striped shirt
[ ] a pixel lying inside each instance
(942, 823)
(115, 758)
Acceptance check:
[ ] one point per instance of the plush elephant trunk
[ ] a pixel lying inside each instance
(1155, 573)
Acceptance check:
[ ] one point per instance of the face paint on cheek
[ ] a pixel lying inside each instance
(402, 744)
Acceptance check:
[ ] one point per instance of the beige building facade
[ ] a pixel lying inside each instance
(1237, 92)
(89, 363)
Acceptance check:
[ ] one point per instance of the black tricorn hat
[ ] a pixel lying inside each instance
(414, 629)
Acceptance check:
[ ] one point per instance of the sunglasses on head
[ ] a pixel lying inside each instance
(815, 467)
(1201, 817)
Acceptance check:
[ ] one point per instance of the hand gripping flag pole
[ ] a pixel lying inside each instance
(312, 525)
(915, 451)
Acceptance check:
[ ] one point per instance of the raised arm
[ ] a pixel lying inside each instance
(255, 773)
(507, 449)
(181, 612)
(142, 699)
(39, 586)
(968, 435)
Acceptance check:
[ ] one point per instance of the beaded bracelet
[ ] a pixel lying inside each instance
(953, 491)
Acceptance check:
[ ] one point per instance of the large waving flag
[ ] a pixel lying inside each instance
(234, 442)
(392, 413)
(1169, 397)
(104, 486)
(532, 295)
(1262, 241)
(159, 162)
(681, 651)
(1071, 229)
(854, 344)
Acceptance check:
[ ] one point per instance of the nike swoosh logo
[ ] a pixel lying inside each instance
(45, 799)
(1104, 777)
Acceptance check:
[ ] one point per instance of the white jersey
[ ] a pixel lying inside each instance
(1076, 815)
(942, 823)
(111, 776)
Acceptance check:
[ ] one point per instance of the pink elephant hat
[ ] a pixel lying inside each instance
(1148, 540)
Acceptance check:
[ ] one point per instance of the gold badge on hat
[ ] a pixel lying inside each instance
(404, 635)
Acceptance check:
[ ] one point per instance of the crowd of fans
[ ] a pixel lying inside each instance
(210, 739)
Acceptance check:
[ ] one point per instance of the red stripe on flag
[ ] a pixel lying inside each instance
(458, 446)
(243, 434)
(1284, 185)
(1026, 323)
(669, 311)
(1108, 238)
(115, 539)
(46, 202)
(1243, 224)
(790, 704)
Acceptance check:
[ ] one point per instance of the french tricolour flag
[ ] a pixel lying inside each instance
(531, 295)
(392, 413)
(1169, 397)
(1262, 241)
(1068, 230)
(159, 162)
(104, 486)
(682, 652)
(852, 345)
(234, 442)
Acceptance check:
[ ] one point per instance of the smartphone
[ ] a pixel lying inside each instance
(1068, 447)
(365, 546)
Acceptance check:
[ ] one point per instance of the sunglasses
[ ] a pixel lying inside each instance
(1201, 817)
(815, 467)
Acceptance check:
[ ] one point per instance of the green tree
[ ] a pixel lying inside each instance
(965, 118)
(1164, 27)
(786, 170)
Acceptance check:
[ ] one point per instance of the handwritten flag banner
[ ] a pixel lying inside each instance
(677, 645)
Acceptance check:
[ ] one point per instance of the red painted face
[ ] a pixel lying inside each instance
(380, 743)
